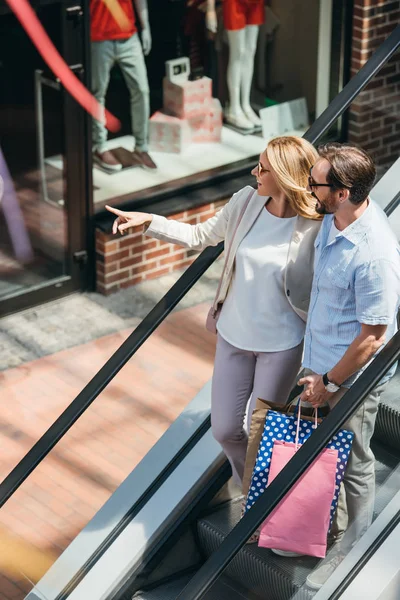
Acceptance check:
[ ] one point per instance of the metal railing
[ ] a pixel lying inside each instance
(205, 577)
(156, 316)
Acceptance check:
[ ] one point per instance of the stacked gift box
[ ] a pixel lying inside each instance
(190, 114)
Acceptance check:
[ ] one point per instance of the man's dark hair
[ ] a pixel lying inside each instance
(351, 168)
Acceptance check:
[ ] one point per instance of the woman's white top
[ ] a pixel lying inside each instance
(256, 314)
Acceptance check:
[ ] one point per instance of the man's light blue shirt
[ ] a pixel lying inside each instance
(356, 280)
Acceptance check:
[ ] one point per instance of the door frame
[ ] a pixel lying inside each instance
(78, 182)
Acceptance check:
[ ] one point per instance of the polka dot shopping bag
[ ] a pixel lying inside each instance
(282, 427)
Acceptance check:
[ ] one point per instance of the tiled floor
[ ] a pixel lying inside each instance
(102, 448)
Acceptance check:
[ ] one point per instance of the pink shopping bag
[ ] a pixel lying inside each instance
(300, 522)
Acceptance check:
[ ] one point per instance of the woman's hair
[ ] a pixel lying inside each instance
(291, 159)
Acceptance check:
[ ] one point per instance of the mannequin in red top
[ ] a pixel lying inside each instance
(242, 20)
(118, 42)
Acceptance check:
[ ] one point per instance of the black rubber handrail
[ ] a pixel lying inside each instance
(209, 572)
(90, 392)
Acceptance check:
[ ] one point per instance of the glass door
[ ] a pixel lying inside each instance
(43, 211)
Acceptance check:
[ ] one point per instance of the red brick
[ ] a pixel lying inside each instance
(111, 247)
(157, 273)
(199, 210)
(156, 253)
(111, 268)
(141, 248)
(143, 268)
(131, 241)
(129, 262)
(207, 215)
(115, 256)
(173, 258)
(394, 17)
(191, 221)
(385, 29)
(178, 216)
(117, 277)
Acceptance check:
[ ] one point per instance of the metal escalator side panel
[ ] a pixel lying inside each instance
(129, 496)
(175, 496)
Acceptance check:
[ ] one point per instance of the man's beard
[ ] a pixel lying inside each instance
(322, 208)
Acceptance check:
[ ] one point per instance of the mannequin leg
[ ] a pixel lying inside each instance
(237, 56)
(131, 60)
(251, 35)
(102, 62)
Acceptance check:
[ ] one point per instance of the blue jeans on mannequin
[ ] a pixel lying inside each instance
(128, 54)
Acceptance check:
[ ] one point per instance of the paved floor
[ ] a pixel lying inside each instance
(48, 354)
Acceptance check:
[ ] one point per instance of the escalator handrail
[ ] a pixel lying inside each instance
(209, 572)
(157, 315)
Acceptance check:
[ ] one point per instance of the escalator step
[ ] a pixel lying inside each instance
(223, 589)
(387, 427)
(258, 569)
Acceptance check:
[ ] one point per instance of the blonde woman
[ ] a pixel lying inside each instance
(265, 286)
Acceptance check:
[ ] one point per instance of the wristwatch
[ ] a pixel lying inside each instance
(329, 385)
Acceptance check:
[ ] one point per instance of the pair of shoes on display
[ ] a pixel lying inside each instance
(107, 161)
(245, 120)
(143, 159)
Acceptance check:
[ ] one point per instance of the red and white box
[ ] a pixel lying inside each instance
(186, 99)
(168, 134)
(208, 127)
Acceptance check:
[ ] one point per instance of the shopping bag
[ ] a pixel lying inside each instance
(300, 522)
(282, 427)
(255, 434)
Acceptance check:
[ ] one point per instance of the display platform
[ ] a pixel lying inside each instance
(196, 158)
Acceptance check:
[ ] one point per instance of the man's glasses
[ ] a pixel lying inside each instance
(312, 183)
(261, 169)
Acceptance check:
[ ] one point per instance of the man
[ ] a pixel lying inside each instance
(115, 40)
(353, 309)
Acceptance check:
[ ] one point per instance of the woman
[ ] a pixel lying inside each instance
(265, 286)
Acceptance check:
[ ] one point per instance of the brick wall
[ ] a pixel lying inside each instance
(128, 260)
(374, 118)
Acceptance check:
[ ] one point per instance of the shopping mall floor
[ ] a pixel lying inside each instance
(47, 355)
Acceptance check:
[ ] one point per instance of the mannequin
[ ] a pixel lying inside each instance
(115, 40)
(242, 20)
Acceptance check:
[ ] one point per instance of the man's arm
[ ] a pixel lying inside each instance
(357, 355)
(376, 292)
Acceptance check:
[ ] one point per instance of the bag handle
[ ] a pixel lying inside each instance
(245, 205)
(298, 407)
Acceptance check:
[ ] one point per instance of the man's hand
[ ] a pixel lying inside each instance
(126, 220)
(146, 40)
(314, 391)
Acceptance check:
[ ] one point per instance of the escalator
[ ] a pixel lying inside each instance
(172, 529)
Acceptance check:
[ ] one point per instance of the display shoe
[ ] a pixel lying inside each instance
(239, 121)
(252, 117)
(143, 159)
(107, 161)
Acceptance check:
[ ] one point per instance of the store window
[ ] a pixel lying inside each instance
(201, 85)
